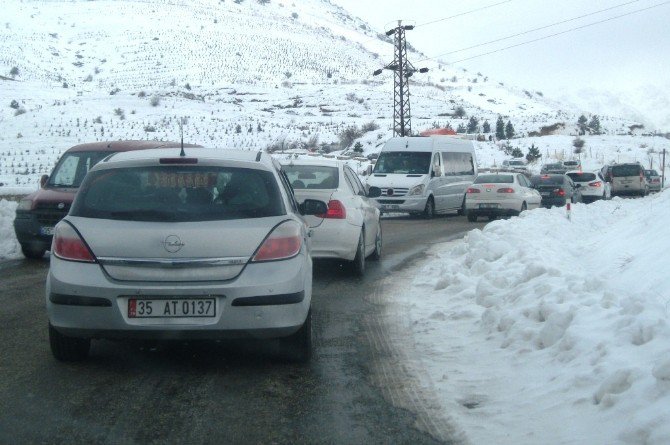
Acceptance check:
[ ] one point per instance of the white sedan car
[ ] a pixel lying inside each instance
(591, 185)
(500, 194)
(351, 229)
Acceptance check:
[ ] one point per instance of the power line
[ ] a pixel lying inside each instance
(553, 35)
(463, 13)
(537, 29)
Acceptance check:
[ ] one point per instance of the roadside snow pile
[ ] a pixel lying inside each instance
(544, 330)
(9, 246)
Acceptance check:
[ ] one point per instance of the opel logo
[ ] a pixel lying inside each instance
(172, 243)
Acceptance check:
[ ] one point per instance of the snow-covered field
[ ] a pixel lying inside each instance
(548, 330)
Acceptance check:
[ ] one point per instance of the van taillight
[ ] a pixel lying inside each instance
(336, 210)
(69, 245)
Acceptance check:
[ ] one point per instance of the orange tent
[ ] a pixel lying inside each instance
(438, 132)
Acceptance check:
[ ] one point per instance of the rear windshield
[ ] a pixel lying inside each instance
(312, 176)
(626, 170)
(547, 179)
(651, 172)
(494, 179)
(403, 162)
(553, 166)
(178, 193)
(72, 168)
(582, 177)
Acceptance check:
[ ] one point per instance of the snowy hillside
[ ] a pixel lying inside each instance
(245, 75)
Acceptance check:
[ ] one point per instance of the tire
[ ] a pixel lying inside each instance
(297, 348)
(461, 211)
(377, 254)
(429, 210)
(524, 207)
(33, 253)
(68, 349)
(472, 217)
(358, 264)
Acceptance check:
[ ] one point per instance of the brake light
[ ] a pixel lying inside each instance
(283, 243)
(178, 161)
(506, 190)
(68, 245)
(595, 184)
(472, 190)
(560, 192)
(336, 210)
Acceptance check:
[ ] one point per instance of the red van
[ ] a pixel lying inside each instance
(38, 213)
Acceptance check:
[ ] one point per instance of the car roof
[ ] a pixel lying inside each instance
(150, 157)
(118, 146)
(582, 171)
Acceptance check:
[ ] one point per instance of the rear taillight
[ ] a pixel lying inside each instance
(472, 190)
(506, 190)
(336, 210)
(283, 243)
(595, 184)
(69, 245)
(559, 192)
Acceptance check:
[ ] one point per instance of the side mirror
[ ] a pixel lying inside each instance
(374, 192)
(43, 180)
(313, 207)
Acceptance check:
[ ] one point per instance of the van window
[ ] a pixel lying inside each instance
(72, 168)
(403, 162)
(456, 164)
(626, 170)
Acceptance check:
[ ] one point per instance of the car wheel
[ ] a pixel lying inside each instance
(429, 210)
(68, 349)
(34, 253)
(472, 217)
(297, 348)
(524, 207)
(377, 254)
(358, 264)
(461, 211)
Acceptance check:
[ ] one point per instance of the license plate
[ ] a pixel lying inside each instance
(545, 194)
(390, 207)
(488, 206)
(46, 230)
(171, 308)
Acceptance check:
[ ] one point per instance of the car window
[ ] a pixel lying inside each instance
(72, 168)
(582, 177)
(312, 176)
(288, 189)
(494, 179)
(456, 164)
(356, 179)
(547, 179)
(523, 181)
(353, 183)
(179, 193)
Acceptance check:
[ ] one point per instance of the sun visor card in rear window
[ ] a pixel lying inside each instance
(178, 193)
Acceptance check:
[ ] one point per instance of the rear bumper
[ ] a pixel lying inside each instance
(266, 300)
(553, 202)
(335, 239)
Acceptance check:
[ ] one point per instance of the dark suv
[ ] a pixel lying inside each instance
(556, 190)
(38, 213)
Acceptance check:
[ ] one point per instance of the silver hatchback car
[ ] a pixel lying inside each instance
(159, 244)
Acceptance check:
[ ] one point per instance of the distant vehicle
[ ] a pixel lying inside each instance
(38, 213)
(351, 228)
(553, 169)
(572, 165)
(628, 179)
(518, 165)
(500, 194)
(556, 190)
(163, 246)
(653, 180)
(592, 185)
(424, 175)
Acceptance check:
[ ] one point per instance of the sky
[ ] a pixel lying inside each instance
(618, 55)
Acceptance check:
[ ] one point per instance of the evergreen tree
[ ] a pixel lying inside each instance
(461, 128)
(500, 128)
(581, 123)
(594, 124)
(509, 130)
(517, 153)
(459, 111)
(473, 125)
(533, 154)
(486, 127)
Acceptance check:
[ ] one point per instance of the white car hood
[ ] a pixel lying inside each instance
(393, 180)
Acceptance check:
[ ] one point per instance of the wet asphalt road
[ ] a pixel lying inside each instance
(355, 390)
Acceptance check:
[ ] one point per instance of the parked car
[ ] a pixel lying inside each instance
(351, 228)
(556, 190)
(556, 168)
(163, 246)
(38, 213)
(518, 165)
(572, 165)
(628, 179)
(500, 194)
(653, 180)
(592, 185)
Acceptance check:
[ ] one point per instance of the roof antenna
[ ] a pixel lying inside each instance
(181, 132)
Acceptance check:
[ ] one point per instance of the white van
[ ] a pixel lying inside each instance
(424, 175)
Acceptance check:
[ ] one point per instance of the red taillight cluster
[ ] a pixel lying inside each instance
(595, 184)
(283, 243)
(506, 190)
(69, 245)
(472, 190)
(336, 210)
(559, 192)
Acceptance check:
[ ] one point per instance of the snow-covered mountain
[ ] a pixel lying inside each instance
(244, 73)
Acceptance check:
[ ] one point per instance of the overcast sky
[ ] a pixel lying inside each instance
(619, 54)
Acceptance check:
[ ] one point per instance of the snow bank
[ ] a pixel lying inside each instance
(541, 329)
(9, 246)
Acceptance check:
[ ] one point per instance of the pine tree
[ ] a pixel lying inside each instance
(594, 125)
(461, 128)
(473, 125)
(533, 154)
(581, 123)
(500, 128)
(486, 127)
(459, 111)
(509, 130)
(517, 153)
